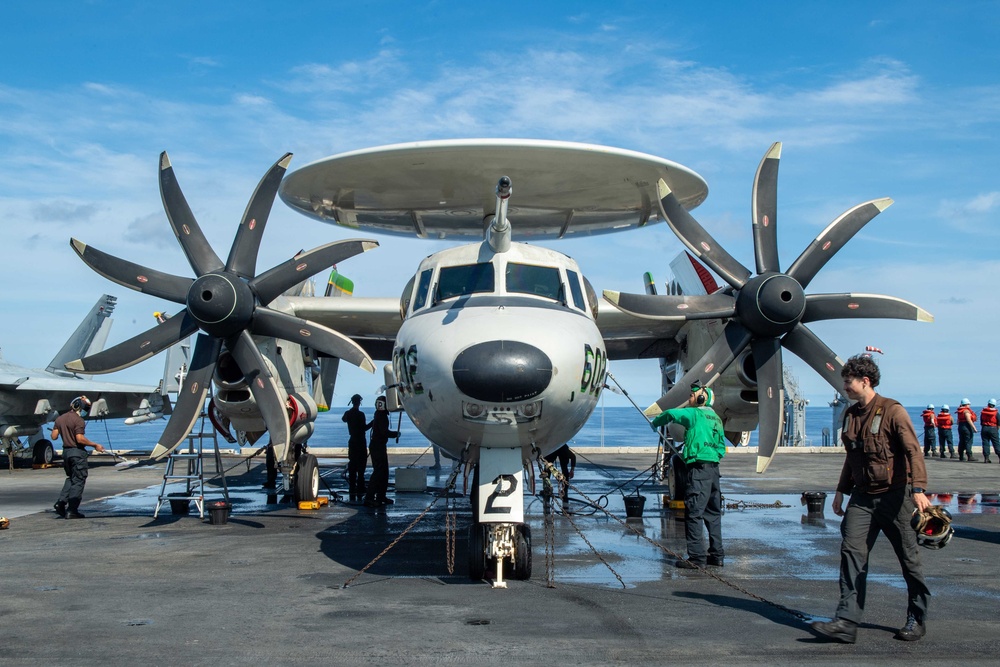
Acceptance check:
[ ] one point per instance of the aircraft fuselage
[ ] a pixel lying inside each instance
(498, 349)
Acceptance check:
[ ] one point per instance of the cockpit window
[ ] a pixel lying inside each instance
(574, 288)
(404, 300)
(537, 280)
(591, 296)
(423, 287)
(460, 280)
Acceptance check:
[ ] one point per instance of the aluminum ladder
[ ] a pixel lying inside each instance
(194, 477)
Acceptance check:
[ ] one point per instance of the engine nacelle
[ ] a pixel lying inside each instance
(302, 417)
(233, 398)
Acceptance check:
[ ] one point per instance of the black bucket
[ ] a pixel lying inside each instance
(218, 512)
(634, 505)
(814, 501)
(180, 506)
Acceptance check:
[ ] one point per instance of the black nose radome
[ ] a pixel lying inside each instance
(502, 371)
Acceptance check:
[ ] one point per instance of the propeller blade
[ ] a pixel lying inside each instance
(856, 306)
(666, 307)
(196, 247)
(133, 276)
(243, 255)
(833, 238)
(267, 322)
(765, 211)
(770, 398)
(138, 348)
(698, 240)
(273, 282)
(807, 346)
(735, 337)
(265, 391)
(191, 398)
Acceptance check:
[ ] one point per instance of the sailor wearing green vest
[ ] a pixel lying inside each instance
(704, 447)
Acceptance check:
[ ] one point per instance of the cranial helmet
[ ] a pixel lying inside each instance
(945, 408)
(933, 527)
(965, 401)
(80, 403)
(930, 406)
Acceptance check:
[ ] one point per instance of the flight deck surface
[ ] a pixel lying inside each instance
(120, 587)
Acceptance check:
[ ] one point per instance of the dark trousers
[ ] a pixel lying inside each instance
(75, 465)
(965, 435)
(945, 436)
(990, 437)
(930, 441)
(379, 482)
(703, 502)
(357, 461)
(866, 516)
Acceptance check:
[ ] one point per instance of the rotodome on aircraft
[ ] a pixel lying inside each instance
(32, 397)
(498, 349)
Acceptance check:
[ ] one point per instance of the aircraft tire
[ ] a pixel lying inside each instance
(477, 552)
(521, 570)
(43, 452)
(307, 479)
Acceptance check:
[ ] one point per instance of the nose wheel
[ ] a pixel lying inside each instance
(500, 548)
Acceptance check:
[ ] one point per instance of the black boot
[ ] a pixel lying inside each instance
(912, 631)
(838, 629)
(73, 510)
(60, 508)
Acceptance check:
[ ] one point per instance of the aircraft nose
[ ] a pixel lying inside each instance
(502, 371)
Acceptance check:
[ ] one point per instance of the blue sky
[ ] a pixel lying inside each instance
(891, 99)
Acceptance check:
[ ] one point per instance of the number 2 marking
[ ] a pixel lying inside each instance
(500, 492)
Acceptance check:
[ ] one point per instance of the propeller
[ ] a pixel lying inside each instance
(767, 310)
(226, 303)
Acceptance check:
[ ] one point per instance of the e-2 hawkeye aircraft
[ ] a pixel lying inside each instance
(32, 397)
(498, 348)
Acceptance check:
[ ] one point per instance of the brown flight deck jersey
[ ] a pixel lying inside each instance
(70, 424)
(882, 449)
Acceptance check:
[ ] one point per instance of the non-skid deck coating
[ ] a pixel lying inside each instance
(122, 588)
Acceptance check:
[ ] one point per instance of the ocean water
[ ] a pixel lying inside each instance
(607, 427)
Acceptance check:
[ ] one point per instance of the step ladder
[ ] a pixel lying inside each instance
(193, 473)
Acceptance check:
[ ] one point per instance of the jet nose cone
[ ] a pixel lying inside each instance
(502, 371)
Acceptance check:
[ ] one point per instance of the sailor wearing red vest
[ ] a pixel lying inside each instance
(988, 418)
(930, 439)
(944, 424)
(966, 430)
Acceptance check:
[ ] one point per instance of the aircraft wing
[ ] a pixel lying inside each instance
(631, 337)
(372, 323)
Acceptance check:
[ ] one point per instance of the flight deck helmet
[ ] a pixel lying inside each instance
(933, 526)
(80, 404)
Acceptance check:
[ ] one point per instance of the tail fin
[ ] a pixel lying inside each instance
(88, 338)
(175, 365)
(325, 370)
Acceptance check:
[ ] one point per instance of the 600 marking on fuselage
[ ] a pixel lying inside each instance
(595, 365)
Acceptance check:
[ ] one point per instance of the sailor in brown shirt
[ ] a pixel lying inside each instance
(72, 428)
(885, 476)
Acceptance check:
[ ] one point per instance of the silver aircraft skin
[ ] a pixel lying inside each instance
(32, 397)
(497, 349)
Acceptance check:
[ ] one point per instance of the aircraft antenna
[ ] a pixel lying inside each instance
(499, 238)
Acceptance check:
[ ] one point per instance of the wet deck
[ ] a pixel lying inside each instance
(121, 587)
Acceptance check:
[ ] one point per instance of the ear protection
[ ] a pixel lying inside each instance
(701, 398)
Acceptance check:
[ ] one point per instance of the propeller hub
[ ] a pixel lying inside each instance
(222, 304)
(771, 304)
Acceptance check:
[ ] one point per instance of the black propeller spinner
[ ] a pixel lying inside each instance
(228, 302)
(766, 311)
